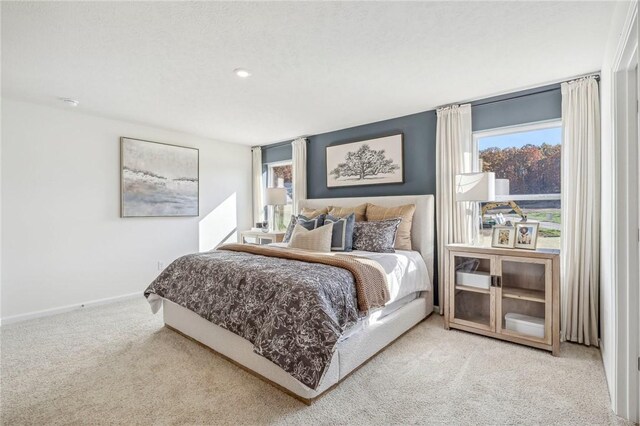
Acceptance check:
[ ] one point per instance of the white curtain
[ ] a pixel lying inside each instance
(454, 155)
(299, 171)
(256, 167)
(580, 211)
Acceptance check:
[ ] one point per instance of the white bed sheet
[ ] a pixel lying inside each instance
(373, 317)
(406, 271)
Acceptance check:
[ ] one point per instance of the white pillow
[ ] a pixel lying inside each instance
(318, 239)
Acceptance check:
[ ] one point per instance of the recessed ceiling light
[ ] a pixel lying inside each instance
(70, 102)
(242, 73)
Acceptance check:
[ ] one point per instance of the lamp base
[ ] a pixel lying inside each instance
(476, 233)
(277, 224)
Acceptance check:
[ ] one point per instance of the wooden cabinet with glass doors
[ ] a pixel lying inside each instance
(508, 294)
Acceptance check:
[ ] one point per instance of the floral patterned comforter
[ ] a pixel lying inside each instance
(292, 312)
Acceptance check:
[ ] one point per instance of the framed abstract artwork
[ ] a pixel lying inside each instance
(368, 162)
(158, 179)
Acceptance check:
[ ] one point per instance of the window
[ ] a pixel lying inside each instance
(530, 157)
(279, 175)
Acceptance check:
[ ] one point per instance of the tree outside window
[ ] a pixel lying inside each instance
(530, 157)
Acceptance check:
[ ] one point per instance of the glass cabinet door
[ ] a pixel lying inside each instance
(524, 298)
(471, 293)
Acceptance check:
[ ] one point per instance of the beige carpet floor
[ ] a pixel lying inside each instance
(118, 364)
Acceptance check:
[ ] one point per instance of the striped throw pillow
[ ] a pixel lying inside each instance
(316, 240)
(342, 236)
(306, 222)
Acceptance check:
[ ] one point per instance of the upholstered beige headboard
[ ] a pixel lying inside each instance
(422, 231)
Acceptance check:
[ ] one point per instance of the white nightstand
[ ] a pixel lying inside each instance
(261, 237)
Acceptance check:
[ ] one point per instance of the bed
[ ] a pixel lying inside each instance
(411, 301)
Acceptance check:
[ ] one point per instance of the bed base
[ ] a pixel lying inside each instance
(348, 357)
(247, 369)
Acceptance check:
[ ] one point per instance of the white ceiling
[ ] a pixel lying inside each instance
(316, 67)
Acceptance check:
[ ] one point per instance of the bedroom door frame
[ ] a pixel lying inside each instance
(637, 313)
(626, 215)
(637, 74)
(637, 127)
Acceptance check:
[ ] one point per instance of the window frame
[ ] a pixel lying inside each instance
(271, 184)
(517, 128)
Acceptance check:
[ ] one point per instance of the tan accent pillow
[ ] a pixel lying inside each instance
(403, 237)
(311, 213)
(318, 239)
(360, 211)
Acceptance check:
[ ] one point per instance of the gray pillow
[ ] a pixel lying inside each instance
(307, 223)
(342, 236)
(378, 236)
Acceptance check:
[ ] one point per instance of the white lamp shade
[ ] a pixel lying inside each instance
(476, 187)
(502, 187)
(275, 196)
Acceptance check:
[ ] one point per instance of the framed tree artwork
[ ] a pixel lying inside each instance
(369, 162)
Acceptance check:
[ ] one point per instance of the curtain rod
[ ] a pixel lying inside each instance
(275, 145)
(478, 101)
(279, 144)
(524, 95)
(475, 104)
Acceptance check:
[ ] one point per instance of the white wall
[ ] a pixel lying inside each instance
(608, 241)
(63, 242)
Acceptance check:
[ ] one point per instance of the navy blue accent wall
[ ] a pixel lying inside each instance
(419, 141)
(280, 152)
(539, 104)
(419, 130)
(543, 103)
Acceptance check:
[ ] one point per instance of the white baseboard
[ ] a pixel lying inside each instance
(54, 311)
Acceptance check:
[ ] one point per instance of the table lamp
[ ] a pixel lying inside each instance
(275, 197)
(476, 188)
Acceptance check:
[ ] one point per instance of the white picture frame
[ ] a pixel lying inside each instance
(527, 235)
(384, 162)
(503, 236)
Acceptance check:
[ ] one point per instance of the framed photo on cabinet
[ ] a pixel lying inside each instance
(503, 237)
(527, 235)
